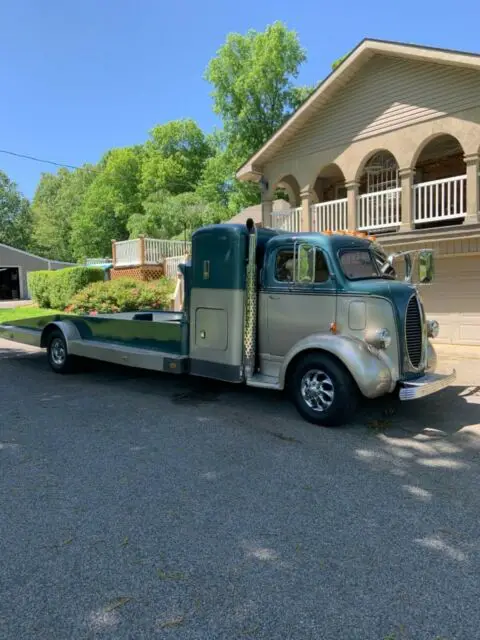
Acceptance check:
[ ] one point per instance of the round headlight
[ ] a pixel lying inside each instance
(381, 339)
(433, 328)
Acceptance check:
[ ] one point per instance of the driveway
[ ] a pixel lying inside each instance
(139, 506)
(12, 304)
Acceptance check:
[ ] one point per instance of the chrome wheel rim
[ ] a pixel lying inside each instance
(317, 390)
(58, 352)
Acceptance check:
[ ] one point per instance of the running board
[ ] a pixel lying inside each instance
(263, 382)
(129, 356)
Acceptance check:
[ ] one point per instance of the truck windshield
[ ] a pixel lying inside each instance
(364, 263)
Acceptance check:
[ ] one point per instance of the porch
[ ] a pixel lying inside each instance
(440, 188)
(147, 258)
(436, 201)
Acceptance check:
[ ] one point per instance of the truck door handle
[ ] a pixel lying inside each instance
(274, 297)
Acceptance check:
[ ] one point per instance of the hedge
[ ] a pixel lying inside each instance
(123, 294)
(55, 289)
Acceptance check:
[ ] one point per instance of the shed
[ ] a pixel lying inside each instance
(15, 264)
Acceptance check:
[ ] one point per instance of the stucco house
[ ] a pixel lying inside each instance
(14, 267)
(389, 143)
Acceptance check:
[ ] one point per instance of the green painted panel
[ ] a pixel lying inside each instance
(170, 337)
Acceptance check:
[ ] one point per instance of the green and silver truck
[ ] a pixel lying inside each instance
(325, 316)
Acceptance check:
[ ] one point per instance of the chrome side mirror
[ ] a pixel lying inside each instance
(426, 266)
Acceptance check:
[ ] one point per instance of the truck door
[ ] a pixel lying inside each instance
(301, 296)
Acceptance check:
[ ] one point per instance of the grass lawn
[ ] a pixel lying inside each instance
(30, 311)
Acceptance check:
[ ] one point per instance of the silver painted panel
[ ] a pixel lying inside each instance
(371, 369)
(31, 337)
(291, 318)
(127, 356)
(231, 301)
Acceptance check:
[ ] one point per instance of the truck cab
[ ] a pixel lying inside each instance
(323, 314)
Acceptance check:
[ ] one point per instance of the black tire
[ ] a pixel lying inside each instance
(323, 391)
(59, 359)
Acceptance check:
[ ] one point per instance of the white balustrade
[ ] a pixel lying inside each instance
(127, 253)
(329, 215)
(171, 266)
(156, 250)
(440, 199)
(287, 220)
(379, 209)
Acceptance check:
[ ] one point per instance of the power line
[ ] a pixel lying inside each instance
(57, 164)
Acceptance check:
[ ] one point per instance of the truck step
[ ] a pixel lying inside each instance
(264, 382)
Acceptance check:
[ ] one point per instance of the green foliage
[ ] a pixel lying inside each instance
(123, 294)
(40, 287)
(15, 215)
(58, 198)
(169, 215)
(55, 289)
(109, 202)
(252, 77)
(340, 60)
(174, 159)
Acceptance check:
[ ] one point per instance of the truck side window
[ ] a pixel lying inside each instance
(284, 265)
(321, 268)
(312, 266)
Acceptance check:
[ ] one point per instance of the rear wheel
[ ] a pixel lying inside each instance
(323, 391)
(58, 357)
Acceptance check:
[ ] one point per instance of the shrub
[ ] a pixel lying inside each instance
(55, 289)
(123, 294)
(39, 286)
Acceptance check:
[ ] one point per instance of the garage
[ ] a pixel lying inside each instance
(454, 296)
(454, 299)
(15, 265)
(9, 283)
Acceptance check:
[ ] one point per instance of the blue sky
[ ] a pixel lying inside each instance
(80, 77)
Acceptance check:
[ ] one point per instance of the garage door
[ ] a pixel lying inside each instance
(454, 299)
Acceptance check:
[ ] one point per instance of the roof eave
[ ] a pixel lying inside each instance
(357, 57)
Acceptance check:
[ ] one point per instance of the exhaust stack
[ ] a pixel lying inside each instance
(250, 323)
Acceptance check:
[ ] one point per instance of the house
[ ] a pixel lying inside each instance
(255, 212)
(389, 143)
(14, 267)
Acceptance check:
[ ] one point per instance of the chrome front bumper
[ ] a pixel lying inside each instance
(427, 384)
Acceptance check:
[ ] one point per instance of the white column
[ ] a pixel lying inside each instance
(406, 203)
(306, 220)
(352, 195)
(267, 207)
(473, 204)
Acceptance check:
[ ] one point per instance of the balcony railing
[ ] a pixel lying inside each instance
(147, 251)
(287, 220)
(329, 215)
(379, 210)
(440, 199)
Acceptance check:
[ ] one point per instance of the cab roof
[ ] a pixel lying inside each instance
(332, 241)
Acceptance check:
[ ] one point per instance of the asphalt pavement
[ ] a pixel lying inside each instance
(137, 505)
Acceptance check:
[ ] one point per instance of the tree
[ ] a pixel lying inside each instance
(174, 157)
(109, 202)
(57, 199)
(15, 215)
(339, 61)
(253, 91)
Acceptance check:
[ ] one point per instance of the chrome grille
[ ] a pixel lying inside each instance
(414, 332)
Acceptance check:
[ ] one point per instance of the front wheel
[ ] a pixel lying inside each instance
(58, 357)
(323, 391)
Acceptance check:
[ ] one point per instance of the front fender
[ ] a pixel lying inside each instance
(371, 369)
(68, 329)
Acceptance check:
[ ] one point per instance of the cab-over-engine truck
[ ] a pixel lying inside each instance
(323, 315)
